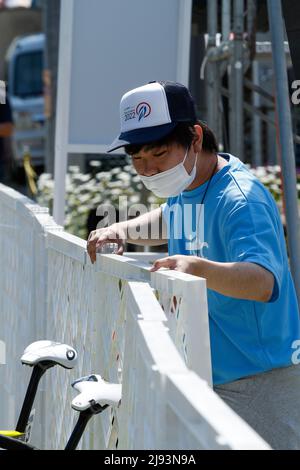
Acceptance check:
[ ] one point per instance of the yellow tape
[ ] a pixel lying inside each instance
(30, 174)
(14, 434)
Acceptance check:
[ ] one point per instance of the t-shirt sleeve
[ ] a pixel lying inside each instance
(252, 235)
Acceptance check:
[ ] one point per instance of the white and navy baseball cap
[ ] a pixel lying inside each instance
(151, 112)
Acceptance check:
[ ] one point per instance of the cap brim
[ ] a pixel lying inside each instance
(142, 136)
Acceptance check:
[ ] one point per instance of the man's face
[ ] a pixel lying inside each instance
(149, 162)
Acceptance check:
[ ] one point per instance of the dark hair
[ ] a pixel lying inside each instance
(183, 134)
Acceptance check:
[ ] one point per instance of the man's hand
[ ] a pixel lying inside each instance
(98, 238)
(182, 263)
(240, 280)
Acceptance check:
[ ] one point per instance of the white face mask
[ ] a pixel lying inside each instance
(171, 182)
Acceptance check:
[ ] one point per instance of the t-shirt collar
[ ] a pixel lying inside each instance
(232, 161)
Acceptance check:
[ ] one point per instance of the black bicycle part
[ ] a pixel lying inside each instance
(37, 373)
(10, 443)
(81, 424)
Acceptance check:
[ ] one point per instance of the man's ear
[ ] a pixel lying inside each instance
(198, 140)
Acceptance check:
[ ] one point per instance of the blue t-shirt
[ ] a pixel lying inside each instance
(242, 224)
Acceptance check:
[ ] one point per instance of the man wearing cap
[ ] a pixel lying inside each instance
(233, 237)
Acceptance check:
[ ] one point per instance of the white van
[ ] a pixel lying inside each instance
(25, 58)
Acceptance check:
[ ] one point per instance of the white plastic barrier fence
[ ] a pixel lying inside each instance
(23, 286)
(148, 331)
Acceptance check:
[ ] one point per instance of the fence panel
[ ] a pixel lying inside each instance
(184, 301)
(23, 260)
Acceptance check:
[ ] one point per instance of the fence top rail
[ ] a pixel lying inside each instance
(68, 245)
(10, 197)
(126, 267)
(170, 281)
(25, 211)
(140, 294)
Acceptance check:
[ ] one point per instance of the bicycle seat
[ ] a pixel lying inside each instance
(94, 390)
(49, 351)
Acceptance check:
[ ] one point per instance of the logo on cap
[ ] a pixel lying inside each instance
(143, 110)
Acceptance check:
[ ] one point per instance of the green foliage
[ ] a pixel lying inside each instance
(85, 192)
(270, 176)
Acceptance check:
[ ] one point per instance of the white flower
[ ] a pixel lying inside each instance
(136, 179)
(114, 184)
(73, 169)
(95, 164)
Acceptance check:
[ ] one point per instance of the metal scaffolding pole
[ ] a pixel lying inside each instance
(237, 83)
(256, 120)
(226, 19)
(212, 76)
(251, 25)
(286, 143)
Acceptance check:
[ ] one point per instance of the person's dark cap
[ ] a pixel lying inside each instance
(149, 113)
